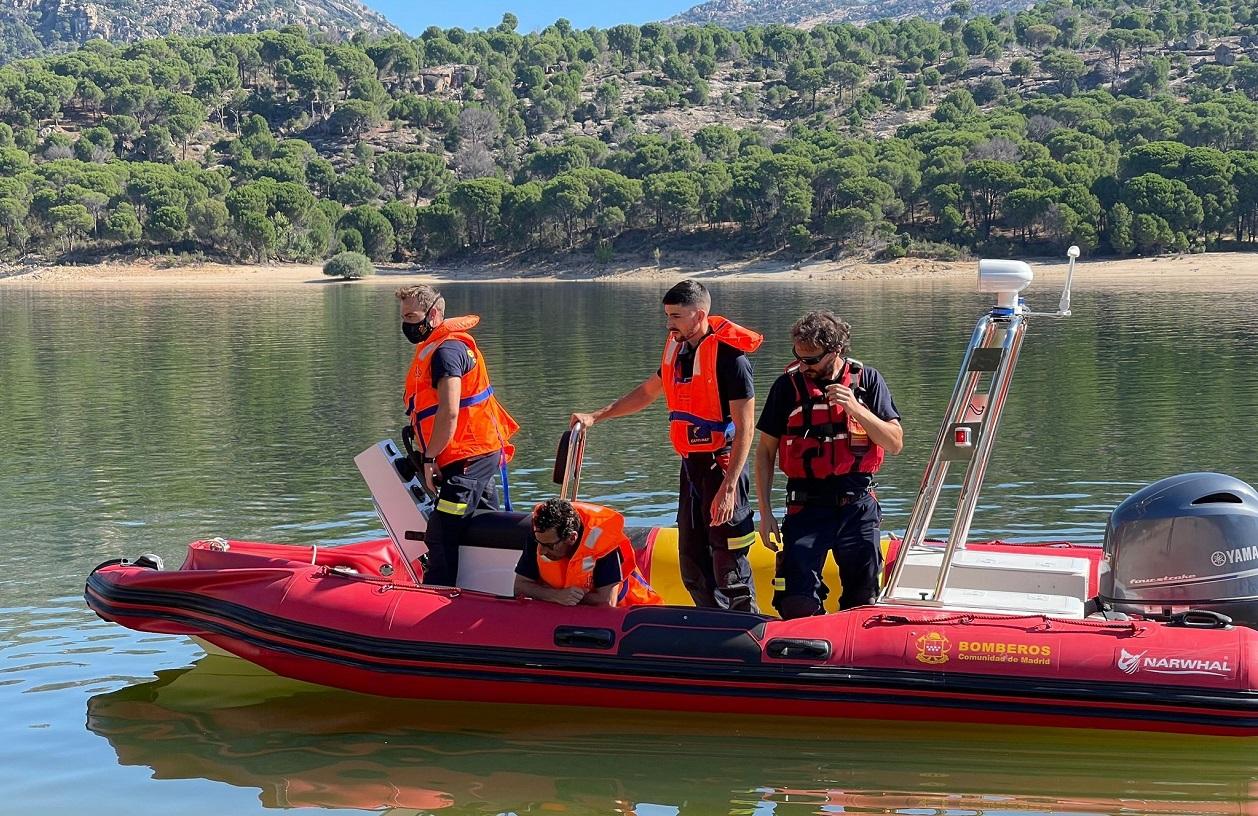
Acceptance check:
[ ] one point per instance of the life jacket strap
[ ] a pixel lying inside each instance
(466, 402)
(726, 428)
(821, 497)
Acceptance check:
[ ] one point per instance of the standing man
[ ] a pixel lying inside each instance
(828, 421)
(461, 428)
(706, 380)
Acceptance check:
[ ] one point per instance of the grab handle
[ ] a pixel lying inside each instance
(1200, 619)
(575, 637)
(798, 648)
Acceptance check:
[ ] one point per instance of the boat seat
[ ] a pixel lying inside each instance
(497, 529)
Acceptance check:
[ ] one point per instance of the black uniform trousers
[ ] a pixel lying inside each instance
(466, 485)
(852, 530)
(713, 560)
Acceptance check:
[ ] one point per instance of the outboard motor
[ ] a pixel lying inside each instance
(1188, 542)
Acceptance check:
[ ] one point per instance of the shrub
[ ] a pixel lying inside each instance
(349, 266)
(936, 250)
(799, 238)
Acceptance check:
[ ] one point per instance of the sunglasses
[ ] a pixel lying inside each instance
(811, 360)
(547, 545)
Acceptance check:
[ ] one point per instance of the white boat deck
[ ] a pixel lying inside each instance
(1003, 583)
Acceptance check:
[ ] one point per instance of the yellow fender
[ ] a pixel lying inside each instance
(665, 572)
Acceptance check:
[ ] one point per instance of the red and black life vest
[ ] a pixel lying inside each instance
(817, 444)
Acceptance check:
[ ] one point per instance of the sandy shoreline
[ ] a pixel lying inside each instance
(1213, 271)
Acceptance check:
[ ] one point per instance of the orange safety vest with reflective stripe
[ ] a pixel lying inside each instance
(602, 532)
(696, 420)
(483, 425)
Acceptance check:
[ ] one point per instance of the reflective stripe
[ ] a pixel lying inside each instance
(593, 537)
(779, 584)
(587, 564)
(453, 508)
(466, 402)
(741, 541)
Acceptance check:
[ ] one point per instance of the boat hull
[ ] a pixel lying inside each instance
(328, 617)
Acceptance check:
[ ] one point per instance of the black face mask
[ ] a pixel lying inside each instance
(417, 332)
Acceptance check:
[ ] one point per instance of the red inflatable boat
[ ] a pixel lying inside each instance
(1139, 635)
(328, 616)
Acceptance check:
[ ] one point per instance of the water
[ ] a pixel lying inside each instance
(136, 421)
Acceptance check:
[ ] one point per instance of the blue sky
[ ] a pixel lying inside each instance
(413, 17)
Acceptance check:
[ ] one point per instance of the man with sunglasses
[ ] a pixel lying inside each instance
(828, 421)
(579, 554)
(459, 425)
(706, 379)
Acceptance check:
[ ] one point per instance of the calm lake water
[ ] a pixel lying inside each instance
(137, 421)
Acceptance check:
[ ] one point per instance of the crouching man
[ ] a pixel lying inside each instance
(579, 554)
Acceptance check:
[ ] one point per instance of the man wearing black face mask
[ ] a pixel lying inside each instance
(458, 423)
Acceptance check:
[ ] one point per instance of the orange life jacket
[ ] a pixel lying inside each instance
(602, 532)
(483, 425)
(817, 443)
(697, 422)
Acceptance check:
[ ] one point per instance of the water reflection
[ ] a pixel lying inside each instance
(304, 746)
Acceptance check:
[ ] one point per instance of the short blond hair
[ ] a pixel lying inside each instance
(423, 293)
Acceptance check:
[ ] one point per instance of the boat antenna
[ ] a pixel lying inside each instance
(1063, 306)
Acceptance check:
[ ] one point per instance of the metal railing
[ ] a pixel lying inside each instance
(968, 432)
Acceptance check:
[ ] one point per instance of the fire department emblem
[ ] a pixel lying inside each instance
(932, 648)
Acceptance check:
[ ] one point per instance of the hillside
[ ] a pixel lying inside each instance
(1125, 131)
(31, 27)
(740, 14)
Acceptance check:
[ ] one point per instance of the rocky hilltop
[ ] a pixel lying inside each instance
(741, 14)
(32, 27)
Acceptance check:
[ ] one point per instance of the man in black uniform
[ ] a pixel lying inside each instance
(706, 380)
(828, 421)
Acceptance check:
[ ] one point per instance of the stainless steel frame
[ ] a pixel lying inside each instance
(993, 349)
(572, 465)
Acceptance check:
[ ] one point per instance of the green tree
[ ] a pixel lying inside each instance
(70, 222)
(988, 182)
(568, 197)
(1065, 67)
(480, 203)
(257, 233)
(167, 224)
(378, 238)
(674, 197)
(209, 220)
(122, 224)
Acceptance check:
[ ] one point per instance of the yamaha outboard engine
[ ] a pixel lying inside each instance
(1188, 542)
